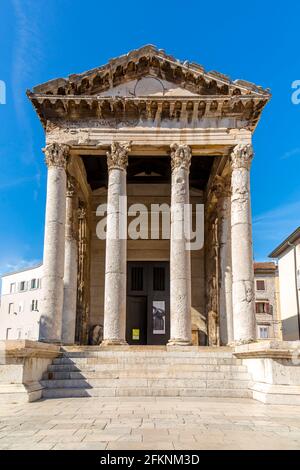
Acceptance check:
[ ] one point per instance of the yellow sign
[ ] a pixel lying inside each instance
(136, 334)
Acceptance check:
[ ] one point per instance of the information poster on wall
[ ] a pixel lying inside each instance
(135, 334)
(159, 317)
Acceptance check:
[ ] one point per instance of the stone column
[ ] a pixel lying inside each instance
(241, 242)
(54, 243)
(223, 194)
(71, 260)
(83, 278)
(180, 259)
(114, 330)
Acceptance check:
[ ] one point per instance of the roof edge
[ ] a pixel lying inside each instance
(285, 244)
(35, 266)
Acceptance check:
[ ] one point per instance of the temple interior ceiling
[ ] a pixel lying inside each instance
(146, 170)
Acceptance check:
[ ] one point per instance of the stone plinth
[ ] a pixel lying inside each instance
(22, 364)
(275, 370)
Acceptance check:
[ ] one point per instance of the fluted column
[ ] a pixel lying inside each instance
(114, 331)
(180, 260)
(241, 242)
(54, 243)
(70, 271)
(223, 194)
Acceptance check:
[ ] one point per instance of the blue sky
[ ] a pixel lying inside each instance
(40, 40)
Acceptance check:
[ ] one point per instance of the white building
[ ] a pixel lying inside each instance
(20, 302)
(288, 254)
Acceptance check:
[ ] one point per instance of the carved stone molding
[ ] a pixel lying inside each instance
(181, 156)
(82, 211)
(72, 186)
(221, 187)
(57, 155)
(241, 156)
(117, 158)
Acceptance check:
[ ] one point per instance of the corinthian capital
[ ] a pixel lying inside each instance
(181, 156)
(56, 155)
(241, 156)
(118, 156)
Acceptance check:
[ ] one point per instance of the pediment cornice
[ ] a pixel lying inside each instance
(149, 60)
(201, 94)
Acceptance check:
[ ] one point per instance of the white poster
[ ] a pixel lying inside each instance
(159, 317)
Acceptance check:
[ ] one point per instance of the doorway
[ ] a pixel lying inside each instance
(148, 302)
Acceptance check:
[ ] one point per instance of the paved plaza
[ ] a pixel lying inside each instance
(149, 423)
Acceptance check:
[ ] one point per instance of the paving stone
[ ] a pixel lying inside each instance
(173, 423)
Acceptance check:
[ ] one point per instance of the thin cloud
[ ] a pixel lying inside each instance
(276, 224)
(19, 182)
(291, 153)
(27, 57)
(18, 265)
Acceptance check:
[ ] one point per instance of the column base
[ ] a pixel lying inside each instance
(179, 342)
(56, 342)
(232, 344)
(113, 342)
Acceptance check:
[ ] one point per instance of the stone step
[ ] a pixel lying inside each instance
(118, 367)
(172, 373)
(146, 392)
(148, 353)
(136, 383)
(126, 359)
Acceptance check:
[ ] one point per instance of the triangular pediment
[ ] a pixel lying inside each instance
(148, 86)
(151, 71)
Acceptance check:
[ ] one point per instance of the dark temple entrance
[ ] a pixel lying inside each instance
(148, 302)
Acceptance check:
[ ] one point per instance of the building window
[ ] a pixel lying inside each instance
(34, 283)
(34, 305)
(11, 308)
(20, 310)
(8, 333)
(22, 286)
(263, 332)
(12, 288)
(262, 307)
(19, 333)
(260, 285)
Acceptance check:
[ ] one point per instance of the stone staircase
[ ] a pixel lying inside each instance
(146, 371)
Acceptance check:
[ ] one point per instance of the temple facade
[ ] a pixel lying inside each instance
(129, 144)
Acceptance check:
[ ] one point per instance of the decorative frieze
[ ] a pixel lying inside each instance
(117, 158)
(56, 155)
(117, 112)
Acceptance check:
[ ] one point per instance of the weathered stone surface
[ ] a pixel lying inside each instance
(54, 243)
(22, 364)
(241, 242)
(70, 266)
(116, 248)
(180, 261)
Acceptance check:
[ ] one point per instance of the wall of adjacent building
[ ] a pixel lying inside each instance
(21, 322)
(288, 293)
(143, 250)
(270, 295)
